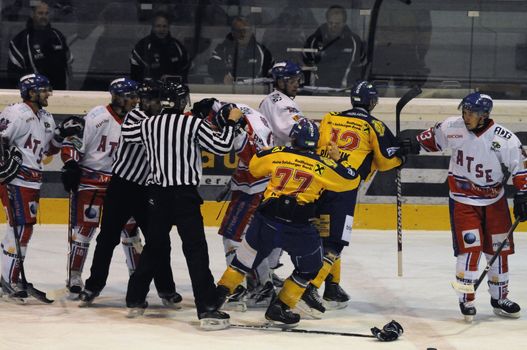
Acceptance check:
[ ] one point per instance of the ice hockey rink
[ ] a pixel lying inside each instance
(422, 301)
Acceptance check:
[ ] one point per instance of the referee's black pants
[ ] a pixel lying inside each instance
(180, 206)
(123, 200)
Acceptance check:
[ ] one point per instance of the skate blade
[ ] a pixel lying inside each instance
(135, 312)
(239, 306)
(468, 318)
(86, 303)
(281, 325)
(501, 313)
(304, 309)
(214, 324)
(171, 305)
(252, 304)
(335, 305)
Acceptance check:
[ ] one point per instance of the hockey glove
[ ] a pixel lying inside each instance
(407, 146)
(382, 335)
(71, 176)
(10, 166)
(71, 126)
(201, 109)
(393, 326)
(520, 206)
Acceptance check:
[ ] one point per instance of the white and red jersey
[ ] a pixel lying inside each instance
(33, 135)
(256, 137)
(98, 148)
(475, 174)
(282, 112)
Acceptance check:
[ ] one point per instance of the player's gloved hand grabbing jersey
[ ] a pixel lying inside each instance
(71, 176)
(520, 205)
(10, 164)
(69, 127)
(408, 145)
(202, 108)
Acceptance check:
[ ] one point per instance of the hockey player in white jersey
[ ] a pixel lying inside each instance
(86, 174)
(479, 212)
(279, 107)
(29, 130)
(246, 195)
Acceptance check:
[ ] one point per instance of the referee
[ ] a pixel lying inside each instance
(173, 145)
(126, 197)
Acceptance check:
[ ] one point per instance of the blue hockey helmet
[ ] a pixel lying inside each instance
(286, 70)
(36, 82)
(124, 87)
(304, 134)
(477, 102)
(363, 94)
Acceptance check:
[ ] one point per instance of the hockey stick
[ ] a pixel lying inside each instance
(403, 101)
(269, 327)
(32, 291)
(471, 288)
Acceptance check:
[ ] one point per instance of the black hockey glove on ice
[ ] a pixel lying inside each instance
(71, 176)
(520, 206)
(12, 159)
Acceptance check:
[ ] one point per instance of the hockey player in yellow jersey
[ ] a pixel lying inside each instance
(297, 177)
(367, 145)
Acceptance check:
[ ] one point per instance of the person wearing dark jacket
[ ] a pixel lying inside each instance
(239, 55)
(40, 49)
(335, 50)
(159, 54)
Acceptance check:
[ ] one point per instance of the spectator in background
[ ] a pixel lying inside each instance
(337, 52)
(159, 54)
(40, 49)
(239, 55)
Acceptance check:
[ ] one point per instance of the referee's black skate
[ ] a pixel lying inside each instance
(505, 308)
(214, 320)
(280, 314)
(468, 310)
(136, 309)
(86, 297)
(171, 300)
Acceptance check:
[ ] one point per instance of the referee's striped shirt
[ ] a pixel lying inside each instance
(131, 163)
(173, 146)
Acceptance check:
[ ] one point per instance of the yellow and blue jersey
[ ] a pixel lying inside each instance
(301, 174)
(364, 142)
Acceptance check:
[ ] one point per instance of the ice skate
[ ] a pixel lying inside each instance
(334, 296)
(261, 296)
(505, 308)
(75, 285)
(214, 320)
(468, 310)
(86, 297)
(280, 315)
(136, 310)
(171, 300)
(311, 304)
(237, 300)
(12, 292)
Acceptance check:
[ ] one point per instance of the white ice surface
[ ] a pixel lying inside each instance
(422, 301)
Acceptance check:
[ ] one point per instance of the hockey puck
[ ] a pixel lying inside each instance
(431, 349)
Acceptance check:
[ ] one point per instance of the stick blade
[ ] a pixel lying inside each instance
(463, 288)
